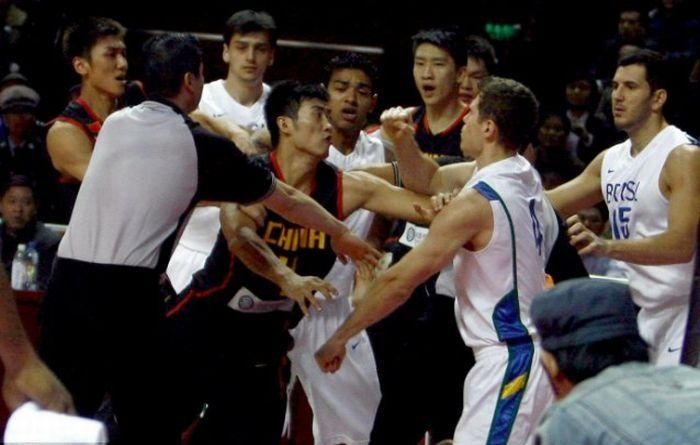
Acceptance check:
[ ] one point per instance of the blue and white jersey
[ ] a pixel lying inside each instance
(638, 209)
(495, 285)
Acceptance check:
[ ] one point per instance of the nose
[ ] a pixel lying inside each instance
(122, 63)
(351, 96)
(250, 53)
(427, 71)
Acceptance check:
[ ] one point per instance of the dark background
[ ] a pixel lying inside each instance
(555, 36)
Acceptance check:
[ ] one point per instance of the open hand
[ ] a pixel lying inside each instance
(302, 289)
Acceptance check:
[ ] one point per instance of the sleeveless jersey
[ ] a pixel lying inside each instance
(638, 209)
(217, 102)
(445, 143)
(79, 113)
(495, 286)
(306, 251)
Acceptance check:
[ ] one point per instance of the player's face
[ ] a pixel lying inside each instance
(249, 55)
(469, 79)
(632, 98)
(471, 138)
(106, 67)
(351, 99)
(435, 74)
(312, 129)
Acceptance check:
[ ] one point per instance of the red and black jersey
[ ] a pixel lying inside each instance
(445, 143)
(308, 252)
(79, 113)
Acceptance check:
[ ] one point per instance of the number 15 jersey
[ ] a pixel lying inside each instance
(638, 210)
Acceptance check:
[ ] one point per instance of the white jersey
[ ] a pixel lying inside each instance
(217, 102)
(199, 236)
(638, 209)
(344, 403)
(524, 231)
(507, 390)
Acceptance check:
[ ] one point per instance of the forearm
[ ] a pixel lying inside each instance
(301, 209)
(386, 294)
(15, 347)
(258, 257)
(417, 169)
(656, 250)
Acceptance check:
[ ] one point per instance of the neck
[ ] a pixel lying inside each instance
(642, 135)
(101, 103)
(441, 116)
(345, 142)
(245, 93)
(493, 153)
(298, 167)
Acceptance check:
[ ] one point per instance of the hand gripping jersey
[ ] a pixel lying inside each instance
(630, 187)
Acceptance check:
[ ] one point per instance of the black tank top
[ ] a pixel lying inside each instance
(306, 251)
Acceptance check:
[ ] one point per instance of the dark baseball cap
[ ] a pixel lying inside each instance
(583, 311)
(18, 98)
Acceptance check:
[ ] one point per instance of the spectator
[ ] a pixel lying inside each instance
(607, 392)
(589, 133)
(20, 226)
(632, 30)
(553, 161)
(23, 149)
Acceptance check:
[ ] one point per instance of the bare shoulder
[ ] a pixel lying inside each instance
(682, 160)
(62, 134)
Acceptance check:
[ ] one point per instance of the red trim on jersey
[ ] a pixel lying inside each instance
(457, 122)
(452, 126)
(204, 293)
(276, 166)
(80, 125)
(88, 109)
(339, 197)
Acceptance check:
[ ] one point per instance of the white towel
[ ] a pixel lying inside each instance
(29, 424)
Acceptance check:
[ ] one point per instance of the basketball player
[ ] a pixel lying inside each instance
(95, 49)
(498, 230)
(227, 301)
(250, 38)
(651, 187)
(344, 405)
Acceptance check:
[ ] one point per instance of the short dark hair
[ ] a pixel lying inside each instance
(81, 36)
(351, 60)
(450, 39)
(247, 21)
(168, 57)
(658, 74)
(481, 49)
(512, 106)
(582, 362)
(285, 99)
(17, 181)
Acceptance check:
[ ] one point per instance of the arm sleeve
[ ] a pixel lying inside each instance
(226, 174)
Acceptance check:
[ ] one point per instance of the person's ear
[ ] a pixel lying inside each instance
(284, 123)
(80, 65)
(658, 99)
(224, 54)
